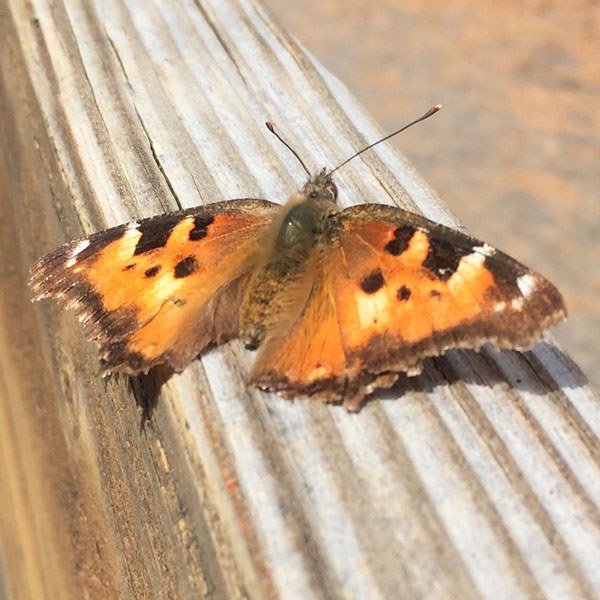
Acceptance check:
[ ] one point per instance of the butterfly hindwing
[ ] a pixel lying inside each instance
(161, 289)
(303, 353)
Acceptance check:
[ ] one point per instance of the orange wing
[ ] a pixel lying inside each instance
(160, 290)
(391, 289)
(303, 351)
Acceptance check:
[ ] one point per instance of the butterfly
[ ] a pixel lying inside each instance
(337, 302)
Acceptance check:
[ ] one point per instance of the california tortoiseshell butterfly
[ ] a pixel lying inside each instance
(337, 301)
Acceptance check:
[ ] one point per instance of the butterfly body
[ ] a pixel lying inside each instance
(285, 266)
(337, 301)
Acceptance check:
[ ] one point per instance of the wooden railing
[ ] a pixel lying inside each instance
(479, 478)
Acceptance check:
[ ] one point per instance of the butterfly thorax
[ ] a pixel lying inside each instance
(288, 259)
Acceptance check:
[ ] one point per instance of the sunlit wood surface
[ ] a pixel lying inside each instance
(480, 478)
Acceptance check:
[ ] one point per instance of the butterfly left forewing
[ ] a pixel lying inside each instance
(159, 290)
(407, 288)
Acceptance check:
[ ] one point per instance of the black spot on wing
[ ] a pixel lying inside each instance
(403, 293)
(185, 267)
(200, 229)
(155, 233)
(402, 236)
(444, 257)
(152, 271)
(129, 267)
(373, 282)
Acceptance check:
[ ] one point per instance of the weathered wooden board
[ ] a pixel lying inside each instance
(479, 478)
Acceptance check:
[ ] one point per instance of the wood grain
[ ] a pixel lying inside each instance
(480, 478)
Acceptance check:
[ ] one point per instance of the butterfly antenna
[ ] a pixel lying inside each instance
(270, 127)
(428, 114)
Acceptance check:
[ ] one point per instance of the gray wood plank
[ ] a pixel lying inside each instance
(478, 478)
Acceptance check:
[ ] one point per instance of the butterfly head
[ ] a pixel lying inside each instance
(320, 188)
